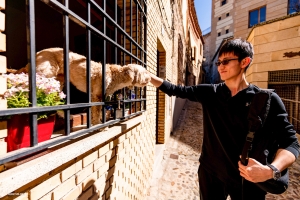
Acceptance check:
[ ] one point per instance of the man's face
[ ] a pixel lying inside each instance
(229, 67)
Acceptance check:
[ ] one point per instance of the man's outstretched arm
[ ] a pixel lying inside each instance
(156, 81)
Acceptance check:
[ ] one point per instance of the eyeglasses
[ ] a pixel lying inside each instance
(225, 62)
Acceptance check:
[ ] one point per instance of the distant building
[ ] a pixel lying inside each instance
(206, 67)
(276, 61)
(206, 31)
(235, 18)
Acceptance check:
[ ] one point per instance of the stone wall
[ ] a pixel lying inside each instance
(271, 42)
(207, 64)
(115, 163)
(234, 17)
(274, 10)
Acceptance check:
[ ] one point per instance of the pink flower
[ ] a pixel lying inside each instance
(62, 95)
(18, 84)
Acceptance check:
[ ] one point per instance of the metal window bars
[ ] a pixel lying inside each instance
(290, 96)
(129, 44)
(286, 84)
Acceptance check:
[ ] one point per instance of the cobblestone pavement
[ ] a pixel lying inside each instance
(177, 178)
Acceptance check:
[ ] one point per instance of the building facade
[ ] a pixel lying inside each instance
(235, 19)
(276, 61)
(181, 64)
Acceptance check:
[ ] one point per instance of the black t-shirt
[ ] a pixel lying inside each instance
(226, 126)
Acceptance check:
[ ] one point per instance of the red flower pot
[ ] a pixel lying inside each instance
(18, 131)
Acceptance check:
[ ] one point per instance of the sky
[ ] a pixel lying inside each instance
(203, 9)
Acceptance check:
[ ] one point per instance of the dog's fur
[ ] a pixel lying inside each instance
(50, 63)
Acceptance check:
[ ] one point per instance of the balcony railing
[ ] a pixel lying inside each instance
(293, 110)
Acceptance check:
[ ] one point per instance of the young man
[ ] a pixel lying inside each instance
(225, 109)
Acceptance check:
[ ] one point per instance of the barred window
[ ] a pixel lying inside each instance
(83, 33)
(286, 84)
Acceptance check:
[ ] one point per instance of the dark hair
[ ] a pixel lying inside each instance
(240, 48)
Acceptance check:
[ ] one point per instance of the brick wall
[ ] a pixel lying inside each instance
(117, 162)
(119, 168)
(163, 35)
(160, 38)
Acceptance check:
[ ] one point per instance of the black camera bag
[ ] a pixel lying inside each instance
(258, 112)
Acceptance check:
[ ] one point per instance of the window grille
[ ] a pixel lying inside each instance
(287, 84)
(113, 32)
(285, 77)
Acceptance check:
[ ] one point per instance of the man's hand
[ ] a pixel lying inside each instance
(255, 171)
(156, 81)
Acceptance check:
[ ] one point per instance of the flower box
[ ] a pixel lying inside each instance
(18, 131)
(48, 93)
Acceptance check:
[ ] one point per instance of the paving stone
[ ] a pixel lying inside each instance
(174, 156)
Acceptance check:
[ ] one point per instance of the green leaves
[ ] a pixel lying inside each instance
(18, 101)
(51, 99)
(47, 92)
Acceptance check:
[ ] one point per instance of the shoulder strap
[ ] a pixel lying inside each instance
(258, 112)
(259, 109)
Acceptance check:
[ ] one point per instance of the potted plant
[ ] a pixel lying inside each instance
(47, 93)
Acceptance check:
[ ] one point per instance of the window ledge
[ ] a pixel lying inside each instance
(18, 176)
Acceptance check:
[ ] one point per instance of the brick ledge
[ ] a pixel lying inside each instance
(16, 177)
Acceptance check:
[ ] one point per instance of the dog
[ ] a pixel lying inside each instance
(50, 63)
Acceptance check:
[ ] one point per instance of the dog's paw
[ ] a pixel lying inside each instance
(141, 76)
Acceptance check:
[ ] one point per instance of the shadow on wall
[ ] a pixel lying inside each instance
(102, 186)
(178, 108)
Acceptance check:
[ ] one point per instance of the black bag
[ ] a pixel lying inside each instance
(258, 112)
